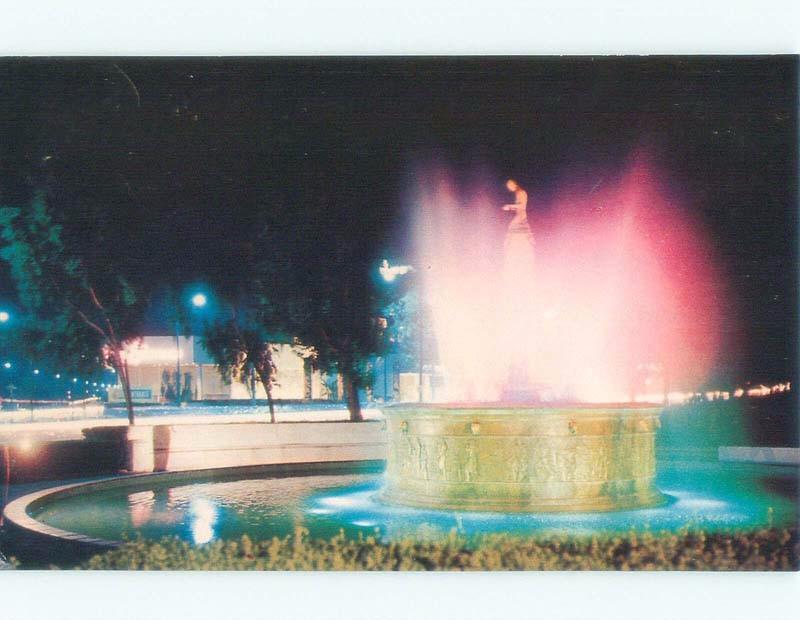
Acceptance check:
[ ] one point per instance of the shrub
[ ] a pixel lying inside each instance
(767, 549)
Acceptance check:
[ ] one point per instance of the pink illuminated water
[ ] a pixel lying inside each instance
(621, 300)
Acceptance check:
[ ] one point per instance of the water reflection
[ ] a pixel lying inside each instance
(203, 514)
(707, 495)
(140, 506)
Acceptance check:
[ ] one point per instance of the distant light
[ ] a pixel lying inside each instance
(58, 375)
(94, 384)
(86, 382)
(199, 300)
(25, 444)
(7, 365)
(36, 371)
(4, 316)
(390, 272)
(74, 379)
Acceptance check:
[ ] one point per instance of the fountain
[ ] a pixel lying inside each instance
(526, 455)
(522, 458)
(526, 442)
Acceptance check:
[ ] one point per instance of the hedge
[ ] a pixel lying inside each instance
(766, 549)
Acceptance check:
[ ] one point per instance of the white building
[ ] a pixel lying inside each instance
(153, 366)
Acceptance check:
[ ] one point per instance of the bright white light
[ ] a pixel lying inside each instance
(199, 300)
(36, 371)
(761, 390)
(25, 444)
(7, 365)
(74, 379)
(58, 375)
(339, 502)
(4, 316)
(204, 515)
(143, 354)
(389, 273)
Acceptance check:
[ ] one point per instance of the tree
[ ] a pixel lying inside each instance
(81, 280)
(315, 272)
(241, 350)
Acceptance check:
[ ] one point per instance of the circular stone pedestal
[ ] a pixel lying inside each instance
(517, 459)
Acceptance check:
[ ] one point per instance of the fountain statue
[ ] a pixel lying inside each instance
(522, 455)
(519, 239)
(518, 295)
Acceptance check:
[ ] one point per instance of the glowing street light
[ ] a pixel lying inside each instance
(390, 272)
(4, 316)
(7, 365)
(198, 300)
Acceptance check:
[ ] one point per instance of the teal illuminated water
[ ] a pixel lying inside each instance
(707, 494)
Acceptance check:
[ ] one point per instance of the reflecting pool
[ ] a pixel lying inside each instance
(709, 495)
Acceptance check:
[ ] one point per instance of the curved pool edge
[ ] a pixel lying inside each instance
(33, 540)
(36, 542)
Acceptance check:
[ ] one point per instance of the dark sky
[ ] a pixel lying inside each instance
(199, 139)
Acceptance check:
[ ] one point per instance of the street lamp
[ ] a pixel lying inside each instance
(198, 300)
(10, 387)
(389, 274)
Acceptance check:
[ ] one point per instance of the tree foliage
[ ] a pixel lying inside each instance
(83, 286)
(321, 245)
(242, 351)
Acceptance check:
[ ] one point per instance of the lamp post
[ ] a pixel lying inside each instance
(198, 300)
(389, 273)
(11, 388)
(34, 385)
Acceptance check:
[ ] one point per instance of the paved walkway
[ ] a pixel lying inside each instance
(72, 429)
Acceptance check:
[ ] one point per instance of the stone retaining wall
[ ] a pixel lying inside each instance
(187, 447)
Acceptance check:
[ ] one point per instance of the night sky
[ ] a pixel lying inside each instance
(198, 141)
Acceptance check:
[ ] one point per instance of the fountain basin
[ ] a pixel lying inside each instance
(576, 458)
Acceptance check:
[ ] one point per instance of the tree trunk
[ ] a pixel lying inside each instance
(351, 394)
(252, 386)
(268, 389)
(122, 371)
(266, 381)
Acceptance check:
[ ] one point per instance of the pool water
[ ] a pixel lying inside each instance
(710, 495)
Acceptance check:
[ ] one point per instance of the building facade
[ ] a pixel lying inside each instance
(160, 365)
